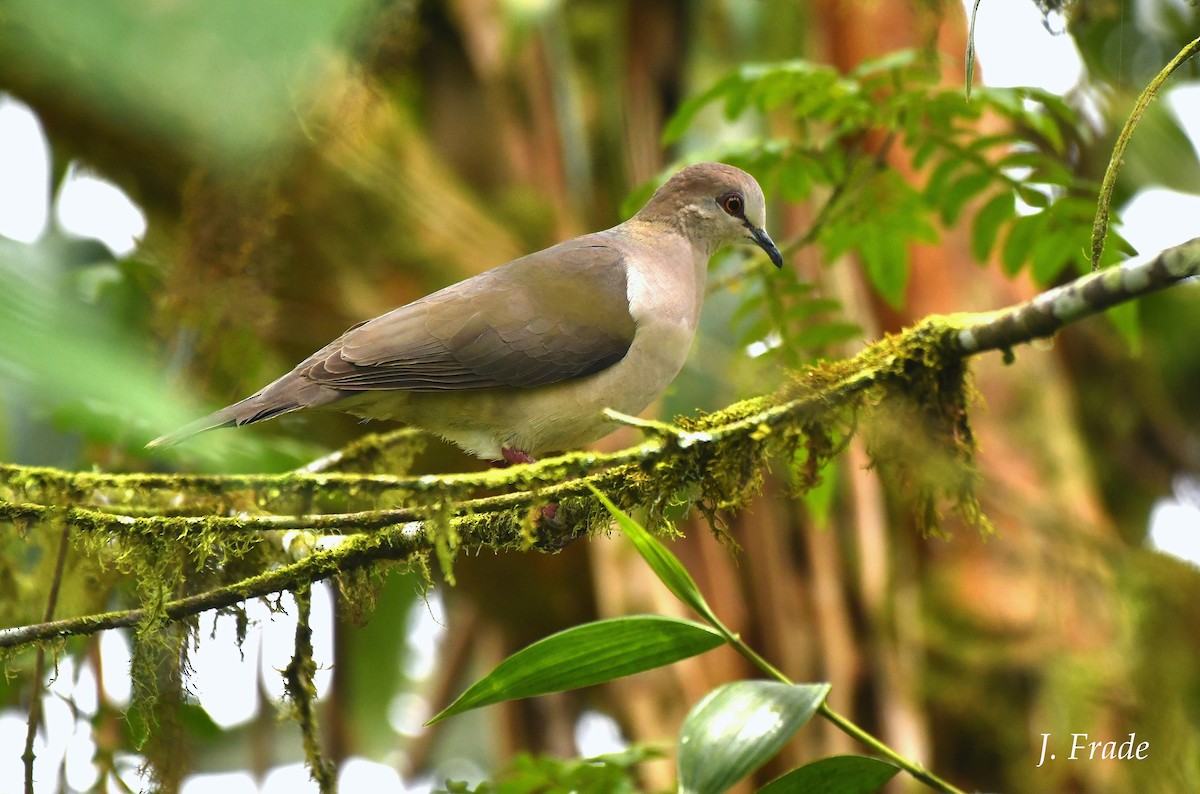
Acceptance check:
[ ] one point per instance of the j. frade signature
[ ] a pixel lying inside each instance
(1084, 750)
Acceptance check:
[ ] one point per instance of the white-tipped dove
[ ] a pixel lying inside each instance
(521, 360)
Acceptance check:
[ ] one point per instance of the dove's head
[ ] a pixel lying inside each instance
(713, 204)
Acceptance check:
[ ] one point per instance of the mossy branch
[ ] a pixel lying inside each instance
(716, 459)
(301, 693)
(1049, 312)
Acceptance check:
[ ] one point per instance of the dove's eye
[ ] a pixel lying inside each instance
(733, 203)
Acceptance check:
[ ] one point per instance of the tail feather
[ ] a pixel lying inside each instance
(226, 417)
(245, 412)
(289, 393)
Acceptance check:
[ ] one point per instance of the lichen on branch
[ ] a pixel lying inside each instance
(909, 390)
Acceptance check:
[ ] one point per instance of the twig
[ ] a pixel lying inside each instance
(361, 448)
(1100, 224)
(39, 664)
(93, 485)
(352, 554)
(301, 691)
(1047, 313)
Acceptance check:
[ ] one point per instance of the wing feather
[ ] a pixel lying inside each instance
(555, 315)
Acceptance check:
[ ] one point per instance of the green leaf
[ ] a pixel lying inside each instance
(998, 210)
(1161, 153)
(924, 151)
(585, 655)
(823, 334)
(691, 107)
(199, 723)
(889, 62)
(738, 727)
(1126, 318)
(819, 498)
(1021, 237)
(1042, 168)
(1050, 120)
(614, 773)
(1052, 251)
(961, 191)
(1002, 141)
(814, 306)
(943, 172)
(797, 175)
(1033, 196)
(841, 774)
(885, 259)
(666, 566)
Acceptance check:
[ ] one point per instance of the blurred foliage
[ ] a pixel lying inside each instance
(606, 774)
(213, 83)
(827, 148)
(80, 360)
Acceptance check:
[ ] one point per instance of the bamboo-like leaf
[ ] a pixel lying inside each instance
(737, 728)
(584, 655)
(666, 566)
(841, 774)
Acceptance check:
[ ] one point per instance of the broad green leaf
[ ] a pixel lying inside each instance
(666, 566)
(1119, 248)
(738, 727)
(999, 209)
(777, 88)
(585, 655)
(841, 774)
(614, 773)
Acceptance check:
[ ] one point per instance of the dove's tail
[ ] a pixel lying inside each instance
(285, 395)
